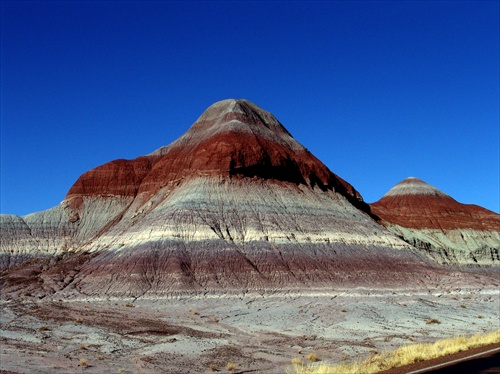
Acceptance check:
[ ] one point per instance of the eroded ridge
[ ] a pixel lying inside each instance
(440, 226)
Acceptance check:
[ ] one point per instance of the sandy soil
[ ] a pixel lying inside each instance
(257, 333)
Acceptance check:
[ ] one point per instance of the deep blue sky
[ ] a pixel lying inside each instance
(378, 91)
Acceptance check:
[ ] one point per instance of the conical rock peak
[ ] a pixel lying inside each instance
(232, 138)
(237, 117)
(414, 186)
(444, 229)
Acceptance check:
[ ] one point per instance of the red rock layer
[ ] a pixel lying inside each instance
(118, 177)
(413, 203)
(232, 138)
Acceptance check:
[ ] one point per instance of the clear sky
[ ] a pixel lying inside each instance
(378, 91)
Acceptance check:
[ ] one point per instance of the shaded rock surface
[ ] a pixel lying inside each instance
(441, 227)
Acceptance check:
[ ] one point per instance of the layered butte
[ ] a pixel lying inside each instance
(234, 205)
(231, 138)
(444, 229)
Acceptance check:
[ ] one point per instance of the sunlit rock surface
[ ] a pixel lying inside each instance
(444, 229)
(234, 205)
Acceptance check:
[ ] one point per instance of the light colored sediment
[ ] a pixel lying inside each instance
(184, 335)
(461, 246)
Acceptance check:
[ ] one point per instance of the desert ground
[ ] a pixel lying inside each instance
(251, 333)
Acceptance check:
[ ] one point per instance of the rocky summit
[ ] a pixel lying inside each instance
(236, 204)
(439, 226)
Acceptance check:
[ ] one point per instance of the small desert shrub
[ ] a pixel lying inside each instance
(231, 366)
(79, 320)
(343, 310)
(312, 357)
(432, 321)
(83, 347)
(129, 305)
(463, 306)
(43, 328)
(297, 361)
(213, 367)
(100, 358)
(84, 362)
(480, 316)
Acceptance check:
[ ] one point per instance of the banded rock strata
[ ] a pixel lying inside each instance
(235, 204)
(442, 228)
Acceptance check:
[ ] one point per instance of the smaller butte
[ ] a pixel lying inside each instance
(413, 203)
(439, 226)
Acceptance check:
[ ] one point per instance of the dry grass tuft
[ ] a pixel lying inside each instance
(231, 366)
(402, 356)
(84, 362)
(312, 357)
(43, 328)
(213, 367)
(431, 321)
(297, 361)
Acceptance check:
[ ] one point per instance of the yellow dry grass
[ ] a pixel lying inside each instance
(231, 366)
(312, 357)
(402, 356)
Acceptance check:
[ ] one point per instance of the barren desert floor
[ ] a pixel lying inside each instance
(203, 334)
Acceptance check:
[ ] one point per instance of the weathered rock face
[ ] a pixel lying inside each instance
(235, 204)
(444, 229)
(231, 138)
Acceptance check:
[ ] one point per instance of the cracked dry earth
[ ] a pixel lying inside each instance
(257, 333)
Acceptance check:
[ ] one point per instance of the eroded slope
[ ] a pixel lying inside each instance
(441, 227)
